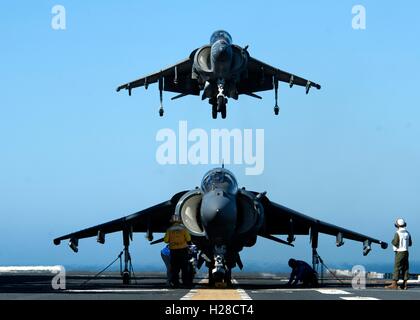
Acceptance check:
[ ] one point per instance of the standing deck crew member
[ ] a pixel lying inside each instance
(401, 242)
(178, 238)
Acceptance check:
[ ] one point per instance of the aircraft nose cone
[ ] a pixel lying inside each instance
(218, 215)
(221, 51)
(214, 205)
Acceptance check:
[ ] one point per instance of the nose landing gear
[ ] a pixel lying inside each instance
(220, 275)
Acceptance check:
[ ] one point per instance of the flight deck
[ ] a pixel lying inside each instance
(152, 286)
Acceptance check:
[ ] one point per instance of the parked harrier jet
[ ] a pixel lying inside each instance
(220, 70)
(222, 219)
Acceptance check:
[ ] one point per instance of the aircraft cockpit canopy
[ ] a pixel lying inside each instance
(219, 179)
(221, 35)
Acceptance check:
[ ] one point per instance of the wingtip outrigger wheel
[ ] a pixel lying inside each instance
(161, 111)
(308, 86)
(276, 95)
(126, 277)
(126, 274)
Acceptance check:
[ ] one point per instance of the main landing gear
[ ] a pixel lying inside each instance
(219, 102)
(218, 105)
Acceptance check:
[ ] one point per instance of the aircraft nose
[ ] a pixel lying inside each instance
(221, 51)
(214, 204)
(218, 214)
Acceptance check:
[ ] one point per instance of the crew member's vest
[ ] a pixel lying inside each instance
(177, 236)
(404, 240)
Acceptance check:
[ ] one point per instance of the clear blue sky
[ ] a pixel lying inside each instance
(74, 153)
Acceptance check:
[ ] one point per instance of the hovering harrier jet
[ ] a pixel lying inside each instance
(218, 71)
(222, 219)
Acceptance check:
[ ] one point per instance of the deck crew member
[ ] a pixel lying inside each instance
(178, 238)
(401, 242)
(302, 272)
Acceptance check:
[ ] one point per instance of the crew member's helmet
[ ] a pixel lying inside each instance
(400, 223)
(175, 219)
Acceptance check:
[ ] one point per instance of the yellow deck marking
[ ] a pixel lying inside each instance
(207, 293)
(216, 294)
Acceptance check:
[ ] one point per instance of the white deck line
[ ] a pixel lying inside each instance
(30, 269)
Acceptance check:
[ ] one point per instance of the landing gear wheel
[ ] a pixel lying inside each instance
(276, 110)
(220, 285)
(217, 280)
(221, 106)
(223, 111)
(214, 111)
(126, 277)
(220, 103)
(161, 112)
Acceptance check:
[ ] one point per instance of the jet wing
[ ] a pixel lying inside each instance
(282, 220)
(175, 78)
(260, 78)
(153, 219)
